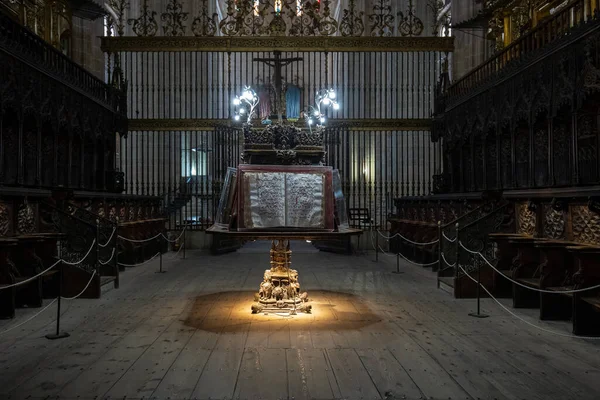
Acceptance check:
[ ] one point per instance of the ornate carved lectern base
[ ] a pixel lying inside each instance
(280, 289)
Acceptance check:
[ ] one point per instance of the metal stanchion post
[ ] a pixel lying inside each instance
(58, 334)
(117, 246)
(376, 245)
(478, 314)
(397, 271)
(98, 266)
(440, 242)
(184, 228)
(457, 266)
(160, 271)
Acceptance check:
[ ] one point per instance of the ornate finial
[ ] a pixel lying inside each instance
(382, 20)
(277, 27)
(146, 24)
(205, 25)
(352, 21)
(409, 25)
(119, 7)
(328, 25)
(174, 18)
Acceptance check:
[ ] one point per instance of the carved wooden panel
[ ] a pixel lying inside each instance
(30, 150)
(10, 144)
(561, 152)
(526, 219)
(554, 223)
(506, 160)
(522, 157)
(540, 155)
(27, 218)
(491, 168)
(587, 148)
(585, 225)
(5, 219)
(478, 153)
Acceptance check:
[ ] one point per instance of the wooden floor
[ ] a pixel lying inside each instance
(189, 334)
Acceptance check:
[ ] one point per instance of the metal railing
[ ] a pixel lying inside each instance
(22, 43)
(559, 25)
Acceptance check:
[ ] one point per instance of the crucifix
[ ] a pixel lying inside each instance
(277, 63)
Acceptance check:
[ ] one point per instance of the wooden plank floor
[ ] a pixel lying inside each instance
(189, 334)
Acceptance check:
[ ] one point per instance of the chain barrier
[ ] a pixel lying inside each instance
(407, 239)
(524, 320)
(399, 254)
(109, 239)
(523, 285)
(142, 263)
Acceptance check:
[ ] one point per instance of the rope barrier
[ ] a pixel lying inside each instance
(84, 289)
(48, 269)
(30, 318)
(178, 237)
(32, 278)
(523, 285)
(109, 260)
(523, 320)
(109, 239)
(448, 239)
(145, 262)
(408, 240)
(139, 241)
(178, 251)
(152, 238)
(416, 263)
(401, 255)
(446, 261)
(84, 257)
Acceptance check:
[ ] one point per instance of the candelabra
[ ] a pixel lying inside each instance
(245, 104)
(324, 98)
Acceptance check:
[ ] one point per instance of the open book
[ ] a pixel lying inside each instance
(284, 199)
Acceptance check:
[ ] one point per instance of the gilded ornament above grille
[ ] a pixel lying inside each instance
(271, 18)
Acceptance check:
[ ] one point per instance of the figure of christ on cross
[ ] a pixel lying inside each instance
(277, 63)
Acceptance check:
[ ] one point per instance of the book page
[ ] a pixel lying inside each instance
(305, 200)
(265, 200)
